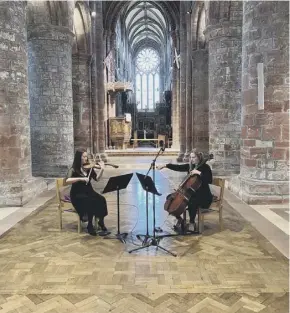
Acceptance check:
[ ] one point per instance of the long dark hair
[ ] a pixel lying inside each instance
(77, 163)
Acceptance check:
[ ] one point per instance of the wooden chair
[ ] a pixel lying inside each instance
(65, 205)
(217, 189)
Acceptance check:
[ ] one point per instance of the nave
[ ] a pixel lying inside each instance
(45, 270)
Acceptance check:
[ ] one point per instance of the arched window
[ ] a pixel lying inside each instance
(147, 79)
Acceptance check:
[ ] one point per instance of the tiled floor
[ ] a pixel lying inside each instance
(236, 270)
(278, 215)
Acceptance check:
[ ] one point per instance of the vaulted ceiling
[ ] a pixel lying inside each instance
(147, 22)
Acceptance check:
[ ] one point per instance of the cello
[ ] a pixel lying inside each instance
(177, 202)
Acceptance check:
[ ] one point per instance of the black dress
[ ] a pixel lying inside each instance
(202, 197)
(84, 199)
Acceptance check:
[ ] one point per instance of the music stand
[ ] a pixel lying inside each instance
(149, 186)
(118, 183)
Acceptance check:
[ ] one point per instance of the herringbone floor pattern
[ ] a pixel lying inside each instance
(45, 270)
(135, 303)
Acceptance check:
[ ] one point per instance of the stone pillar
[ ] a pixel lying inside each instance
(188, 105)
(17, 185)
(50, 94)
(111, 97)
(100, 103)
(106, 79)
(200, 117)
(94, 86)
(225, 49)
(161, 79)
(182, 116)
(175, 97)
(265, 131)
(81, 101)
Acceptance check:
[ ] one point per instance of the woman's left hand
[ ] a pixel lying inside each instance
(102, 164)
(193, 172)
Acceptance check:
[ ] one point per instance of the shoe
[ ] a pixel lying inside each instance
(102, 226)
(91, 230)
(192, 227)
(84, 218)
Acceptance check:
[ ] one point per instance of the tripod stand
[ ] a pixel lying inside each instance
(152, 166)
(149, 186)
(118, 183)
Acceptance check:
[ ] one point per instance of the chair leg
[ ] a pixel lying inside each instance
(79, 225)
(221, 218)
(60, 218)
(97, 227)
(199, 221)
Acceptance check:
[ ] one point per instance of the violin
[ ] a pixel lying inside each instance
(94, 164)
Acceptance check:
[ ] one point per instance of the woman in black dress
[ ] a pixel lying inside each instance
(203, 196)
(83, 197)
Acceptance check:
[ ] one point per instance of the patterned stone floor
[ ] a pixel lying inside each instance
(45, 270)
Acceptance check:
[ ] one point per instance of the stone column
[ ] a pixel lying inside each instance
(113, 49)
(111, 109)
(264, 177)
(50, 94)
(100, 104)
(225, 49)
(200, 100)
(106, 35)
(161, 79)
(188, 105)
(17, 185)
(182, 116)
(81, 101)
(175, 97)
(94, 84)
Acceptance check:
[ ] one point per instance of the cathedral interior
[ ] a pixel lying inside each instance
(128, 82)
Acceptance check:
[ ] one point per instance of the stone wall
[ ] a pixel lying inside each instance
(200, 100)
(188, 94)
(17, 185)
(50, 94)
(182, 82)
(81, 101)
(224, 35)
(265, 132)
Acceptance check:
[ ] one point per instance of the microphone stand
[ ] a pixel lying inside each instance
(153, 167)
(154, 241)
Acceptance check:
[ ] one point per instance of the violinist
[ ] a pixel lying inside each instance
(83, 197)
(202, 197)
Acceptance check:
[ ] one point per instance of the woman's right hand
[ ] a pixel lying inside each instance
(160, 167)
(85, 179)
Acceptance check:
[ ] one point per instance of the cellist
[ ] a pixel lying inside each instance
(202, 197)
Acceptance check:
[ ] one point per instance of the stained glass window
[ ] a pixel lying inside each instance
(147, 79)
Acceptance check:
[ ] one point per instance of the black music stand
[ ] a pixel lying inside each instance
(118, 183)
(149, 186)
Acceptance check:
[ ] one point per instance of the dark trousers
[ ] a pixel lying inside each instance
(192, 210)
(196, 201)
